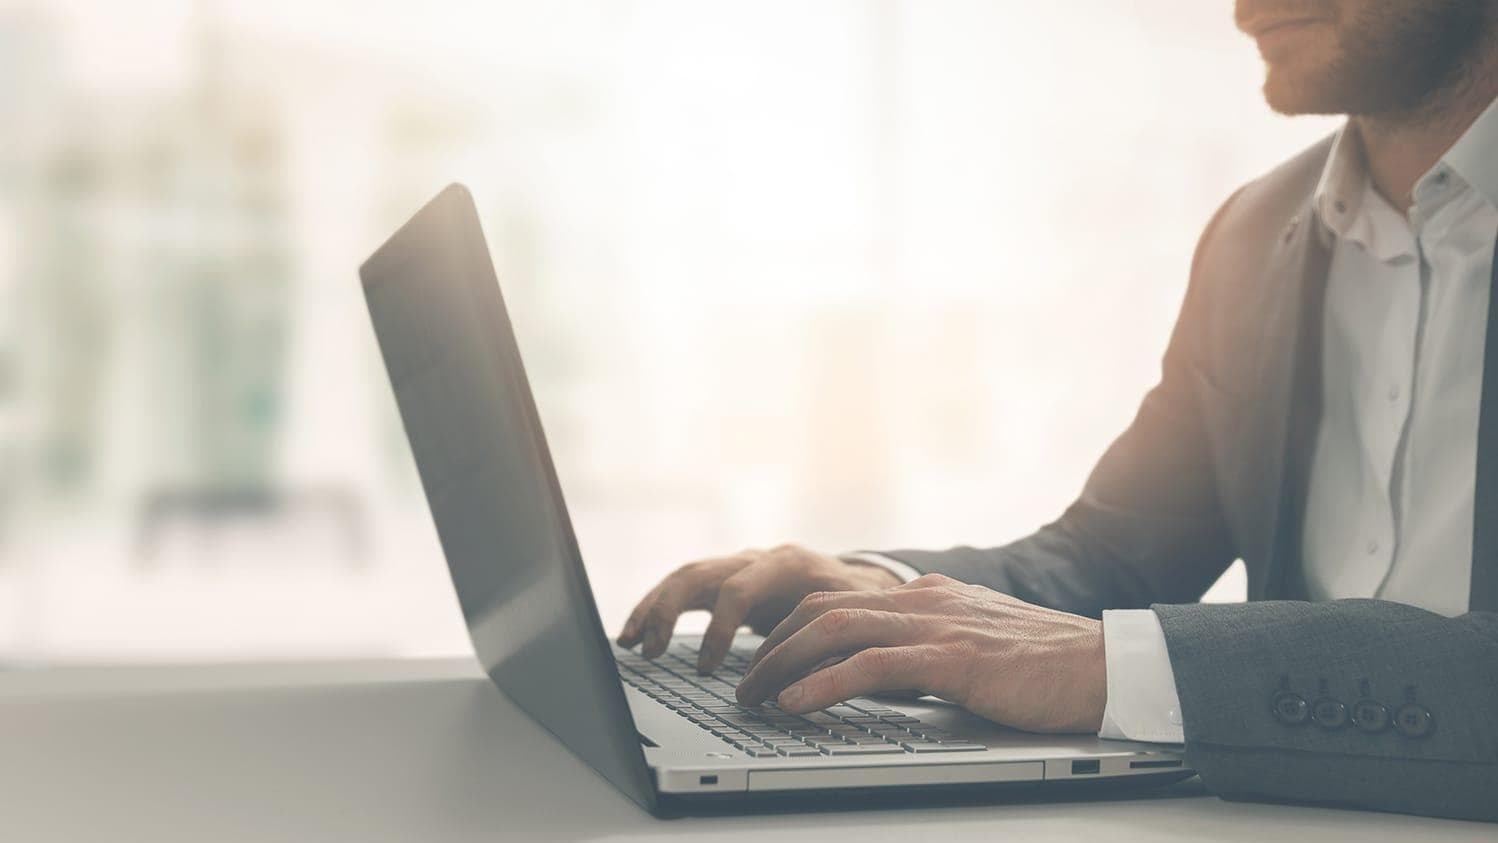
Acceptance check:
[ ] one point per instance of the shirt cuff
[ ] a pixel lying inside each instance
(1142, 702)
(894, 566)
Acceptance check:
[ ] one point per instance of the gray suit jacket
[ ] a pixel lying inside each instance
(1362, 703)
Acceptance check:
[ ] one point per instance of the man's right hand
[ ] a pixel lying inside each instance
(756, 587)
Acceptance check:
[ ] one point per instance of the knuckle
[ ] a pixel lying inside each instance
(732, 591)
(744, 559)
(835, 683)
(877, 662)
(815, 601)
(834, 621)
(933, 580)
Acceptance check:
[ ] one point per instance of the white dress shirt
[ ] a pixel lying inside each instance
(1389, 511)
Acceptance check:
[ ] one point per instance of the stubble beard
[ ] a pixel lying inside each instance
(1396, 67)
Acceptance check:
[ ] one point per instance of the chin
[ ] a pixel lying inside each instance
(1305, 89)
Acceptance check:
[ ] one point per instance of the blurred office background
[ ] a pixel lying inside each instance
(854, 274)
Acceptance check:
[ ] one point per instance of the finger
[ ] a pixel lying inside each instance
(835, 633)
(630, 635)
(738, 594)
(693, 586)
(815, 605)
(678, 593)
(865, 672)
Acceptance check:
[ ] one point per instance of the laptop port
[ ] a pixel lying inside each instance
(1153, 765)
(707, 779)
(1084, 768)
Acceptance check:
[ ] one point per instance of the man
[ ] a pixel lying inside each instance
(1328, 412)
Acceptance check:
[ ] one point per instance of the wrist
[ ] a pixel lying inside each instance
(1094, 678)
(1079, 694)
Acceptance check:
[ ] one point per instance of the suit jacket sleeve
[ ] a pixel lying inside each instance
(1242, 671)
(1147, 527)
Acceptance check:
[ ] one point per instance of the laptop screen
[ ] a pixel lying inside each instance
(445, 336)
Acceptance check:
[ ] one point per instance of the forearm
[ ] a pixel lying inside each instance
(1241, 671)
(1090, 560)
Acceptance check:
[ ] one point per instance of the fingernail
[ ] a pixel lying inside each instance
(790, 696)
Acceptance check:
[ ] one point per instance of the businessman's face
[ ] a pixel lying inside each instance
(1367, 57)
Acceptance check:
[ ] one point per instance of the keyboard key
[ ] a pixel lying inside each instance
(922, 747)
(798, 751)
(863, 749)
(931, 732)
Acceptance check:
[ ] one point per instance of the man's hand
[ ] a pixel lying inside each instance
(997, 656)
(755, 587)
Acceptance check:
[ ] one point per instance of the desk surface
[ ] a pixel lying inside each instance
(429, 750)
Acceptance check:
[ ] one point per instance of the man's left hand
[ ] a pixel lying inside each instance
(1001, 658)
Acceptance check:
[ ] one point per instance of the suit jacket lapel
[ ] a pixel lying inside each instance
(1485, 498)
(1290, 409)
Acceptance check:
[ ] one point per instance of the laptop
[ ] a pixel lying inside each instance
(672, 740)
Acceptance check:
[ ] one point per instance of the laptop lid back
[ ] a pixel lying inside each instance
(469, 415)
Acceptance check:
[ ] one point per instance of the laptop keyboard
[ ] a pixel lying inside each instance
(855, 728)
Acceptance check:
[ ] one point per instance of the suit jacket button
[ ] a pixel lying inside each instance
(1290, 708)
(1370, 716)
(1413, 720)
(1329, 713)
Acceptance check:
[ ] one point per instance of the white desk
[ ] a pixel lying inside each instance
(429, 750)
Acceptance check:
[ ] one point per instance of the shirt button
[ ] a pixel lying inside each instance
(1413, 720)
(1372, 546)
(1370, 716)
(1290, 708)
(1328, 713)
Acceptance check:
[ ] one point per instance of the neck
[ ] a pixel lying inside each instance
(1400, 148)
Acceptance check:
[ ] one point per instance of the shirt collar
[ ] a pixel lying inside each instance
(1347, 204)
(1472, 156)
(1339, 192)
